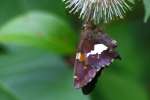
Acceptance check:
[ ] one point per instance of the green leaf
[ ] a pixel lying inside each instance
(6, 93)
(10, 9)
(36, 75)
(132, 1)
(125, 33)
(116, 87)
(39, 29)
(147, 9)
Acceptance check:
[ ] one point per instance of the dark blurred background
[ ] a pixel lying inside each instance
(38, 36)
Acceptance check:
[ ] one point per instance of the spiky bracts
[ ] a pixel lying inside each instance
(98, 10)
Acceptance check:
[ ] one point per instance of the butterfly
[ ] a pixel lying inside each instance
(96, 51)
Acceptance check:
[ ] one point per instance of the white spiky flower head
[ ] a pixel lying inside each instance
(98, 10)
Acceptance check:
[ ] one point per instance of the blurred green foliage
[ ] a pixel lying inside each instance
(35, 35)
(147, 9)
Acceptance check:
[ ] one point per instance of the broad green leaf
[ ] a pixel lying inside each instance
(147, 9)
(39, 29)
(36, 75)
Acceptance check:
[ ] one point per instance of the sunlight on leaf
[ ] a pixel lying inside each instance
(147, 9)
(41, 30)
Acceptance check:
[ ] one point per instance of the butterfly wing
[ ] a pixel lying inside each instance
(88, 64)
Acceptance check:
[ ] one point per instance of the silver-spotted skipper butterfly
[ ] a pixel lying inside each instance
(95, 52)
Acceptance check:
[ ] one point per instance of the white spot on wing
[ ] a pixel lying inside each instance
(78, 56)
(75, 77)
(98, 49)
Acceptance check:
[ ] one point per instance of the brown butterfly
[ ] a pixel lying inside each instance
(95, 52)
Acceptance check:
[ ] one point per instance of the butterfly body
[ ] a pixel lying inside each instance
(95, 52)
